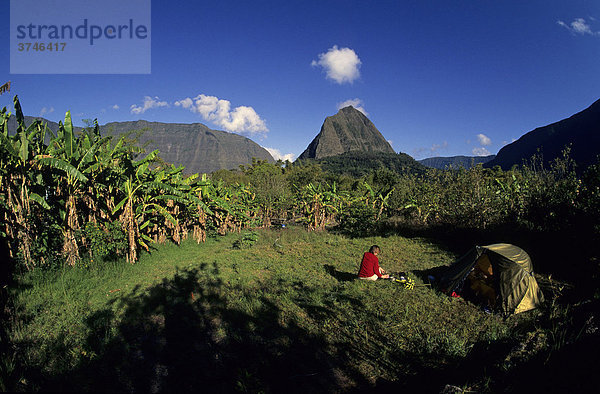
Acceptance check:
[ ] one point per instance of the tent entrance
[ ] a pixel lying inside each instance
(480, 282)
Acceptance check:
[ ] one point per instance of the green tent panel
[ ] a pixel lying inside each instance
(514, 283)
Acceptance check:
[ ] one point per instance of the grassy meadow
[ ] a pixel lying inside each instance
(122, 274)
(268, 311)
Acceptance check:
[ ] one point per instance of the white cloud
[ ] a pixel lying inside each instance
(149, 103)
(436, 147)
(391, 143)
(115, 107)
(341, 65)
(277, 155)
(481, 152)
(579, 26)
(46, 111)
(356, 103)
(484, 139)
(241, 119)
(419, 152)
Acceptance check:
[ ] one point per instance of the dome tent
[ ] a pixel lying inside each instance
(508, 271)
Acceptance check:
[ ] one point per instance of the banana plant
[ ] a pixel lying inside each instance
(378, 201)
(20, 179)
(319, 204)
(70, 158)
(198, 210)
(140, 206)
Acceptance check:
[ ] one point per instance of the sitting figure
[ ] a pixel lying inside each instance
(369, 267)
(481, 283)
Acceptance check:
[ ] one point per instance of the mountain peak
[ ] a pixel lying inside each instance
(348, 130)
(348, 109)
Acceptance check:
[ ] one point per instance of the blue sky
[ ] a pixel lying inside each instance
(437, 78)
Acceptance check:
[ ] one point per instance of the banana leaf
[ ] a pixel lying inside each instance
(64, 166)
(38, 199)
(68, 138)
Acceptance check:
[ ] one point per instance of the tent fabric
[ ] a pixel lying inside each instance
(532, 298)
(514, 254)
(516, 287)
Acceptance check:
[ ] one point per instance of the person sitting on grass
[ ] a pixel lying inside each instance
(369, 267)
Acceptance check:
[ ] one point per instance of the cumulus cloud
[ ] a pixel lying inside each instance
(115, 107)
(484, 140)
(431, 150)
(241, 119)
(46, 111)
(481, 151)
(579, 26)
(356, 103)
(436, 147)
(149, 103)
(340, 64)
(277, 155)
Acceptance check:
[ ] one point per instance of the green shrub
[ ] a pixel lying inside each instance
(105, 242)
(247, 240)
(358, 220)
(46, 247)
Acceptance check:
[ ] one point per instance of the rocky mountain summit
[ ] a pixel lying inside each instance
(348, 130)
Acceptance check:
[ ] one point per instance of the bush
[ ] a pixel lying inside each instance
(45, 248)
(105, 242)
(358, 220)
(248, 239)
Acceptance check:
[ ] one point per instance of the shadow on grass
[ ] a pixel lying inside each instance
(187, 334)
(184, 335)
(8, 378)
(339, 275)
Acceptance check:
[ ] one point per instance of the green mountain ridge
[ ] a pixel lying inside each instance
(581, 131)
(195, 146)
(359, 163)
(455, 162)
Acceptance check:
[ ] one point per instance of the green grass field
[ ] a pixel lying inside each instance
(282, 314)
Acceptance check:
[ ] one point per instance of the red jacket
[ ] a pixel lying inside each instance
(369, 266)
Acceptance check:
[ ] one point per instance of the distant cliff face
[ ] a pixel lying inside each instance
(455, 162)
(348, 130)
(195, 146)
(581, 131)
(12, 123)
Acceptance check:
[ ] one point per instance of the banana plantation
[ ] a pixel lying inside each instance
(75, 196)
(77, 204)
(71, 196)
